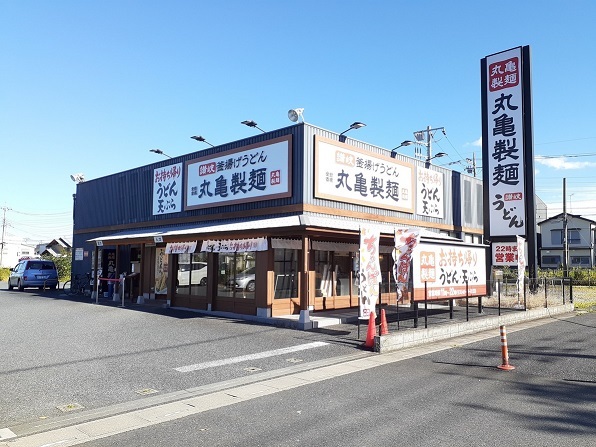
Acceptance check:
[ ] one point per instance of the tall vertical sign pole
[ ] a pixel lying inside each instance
(508, 152)
(530, 193)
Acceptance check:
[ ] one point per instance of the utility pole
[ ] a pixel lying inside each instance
(4, 210)
(471, 169)
(565, 238)
(420, 139)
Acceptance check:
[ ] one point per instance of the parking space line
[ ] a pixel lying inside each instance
(256, 356)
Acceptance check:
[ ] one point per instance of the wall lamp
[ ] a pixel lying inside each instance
(201, 139)
(437, 155)
(77, 178)
(251, 123)
(402, 144)
(159, 152)
(353, 126)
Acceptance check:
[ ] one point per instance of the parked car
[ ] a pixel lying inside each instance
(244, 280)
(197, 276)
(38, 273)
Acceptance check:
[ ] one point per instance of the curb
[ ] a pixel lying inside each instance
(407, 339)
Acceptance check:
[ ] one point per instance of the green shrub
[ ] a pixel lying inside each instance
(4, 272)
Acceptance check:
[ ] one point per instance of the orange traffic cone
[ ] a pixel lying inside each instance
(505, 351)
(384, 330)
(371, 332)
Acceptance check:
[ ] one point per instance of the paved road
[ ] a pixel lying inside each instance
(60, 351)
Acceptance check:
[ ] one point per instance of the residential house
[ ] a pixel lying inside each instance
(580, 238)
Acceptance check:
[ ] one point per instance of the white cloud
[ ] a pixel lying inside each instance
(477, 143)
(563, 163)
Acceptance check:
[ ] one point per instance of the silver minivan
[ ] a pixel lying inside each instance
(39, 273)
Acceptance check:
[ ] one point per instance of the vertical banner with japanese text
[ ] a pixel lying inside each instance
(521, 261)
(370, 271)
(406, 240)
(504, 148)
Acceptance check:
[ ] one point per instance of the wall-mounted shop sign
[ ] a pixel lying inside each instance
(235, 245)
(167, 189)
(429, 193)
(347, 174)
(178, 248)
(446, 268)
(258, 172)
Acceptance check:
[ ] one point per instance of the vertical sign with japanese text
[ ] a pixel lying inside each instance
(167, 189)
(429, 193)
(503, 152)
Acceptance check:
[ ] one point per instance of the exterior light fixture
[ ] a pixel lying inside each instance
(295, 114)
(437, 155)
(251, 123)
(356, 125)
(77, 178)
(159, 152)
(201, 139)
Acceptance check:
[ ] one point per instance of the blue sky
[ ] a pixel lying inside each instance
(91, 86)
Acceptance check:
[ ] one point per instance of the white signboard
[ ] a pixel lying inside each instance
(445, 269)
(248, 174)
(506, 183)
(177, 248)
(429, 193)
(346, 174)
(504, 253)
(78, 254)
(235, 246)
(167, 189)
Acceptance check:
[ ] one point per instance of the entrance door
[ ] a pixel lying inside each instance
(236, 283)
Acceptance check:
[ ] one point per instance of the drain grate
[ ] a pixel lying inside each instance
(70, 407)
(252, 369)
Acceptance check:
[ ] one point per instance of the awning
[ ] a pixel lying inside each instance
(301, 220)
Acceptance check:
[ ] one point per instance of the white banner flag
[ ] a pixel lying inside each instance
(370, 271)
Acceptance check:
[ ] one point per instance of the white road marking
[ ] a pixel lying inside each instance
(6, 433)
(256, 356)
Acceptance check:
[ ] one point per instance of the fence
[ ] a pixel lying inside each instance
(504, 296)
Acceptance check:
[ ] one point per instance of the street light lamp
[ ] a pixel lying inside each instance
(201, 139)
(251, 123)
(437, 155)
(356, 125)
(159, 152)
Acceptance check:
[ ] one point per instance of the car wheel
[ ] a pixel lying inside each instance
(203, 281)
(20, 286)
(250, 287)
(10, 287)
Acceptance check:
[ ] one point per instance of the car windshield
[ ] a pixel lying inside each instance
(249, 271)
(40, 266)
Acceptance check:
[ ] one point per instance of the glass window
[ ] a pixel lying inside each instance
(574, 236)
(583, 261)
(330, 265)
(556, 237)
(236, 275)
(286, 272)
(192, 274)
(551, 260)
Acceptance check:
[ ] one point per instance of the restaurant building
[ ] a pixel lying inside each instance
(268, 225)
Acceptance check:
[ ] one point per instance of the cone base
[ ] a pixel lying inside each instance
(506, 367)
